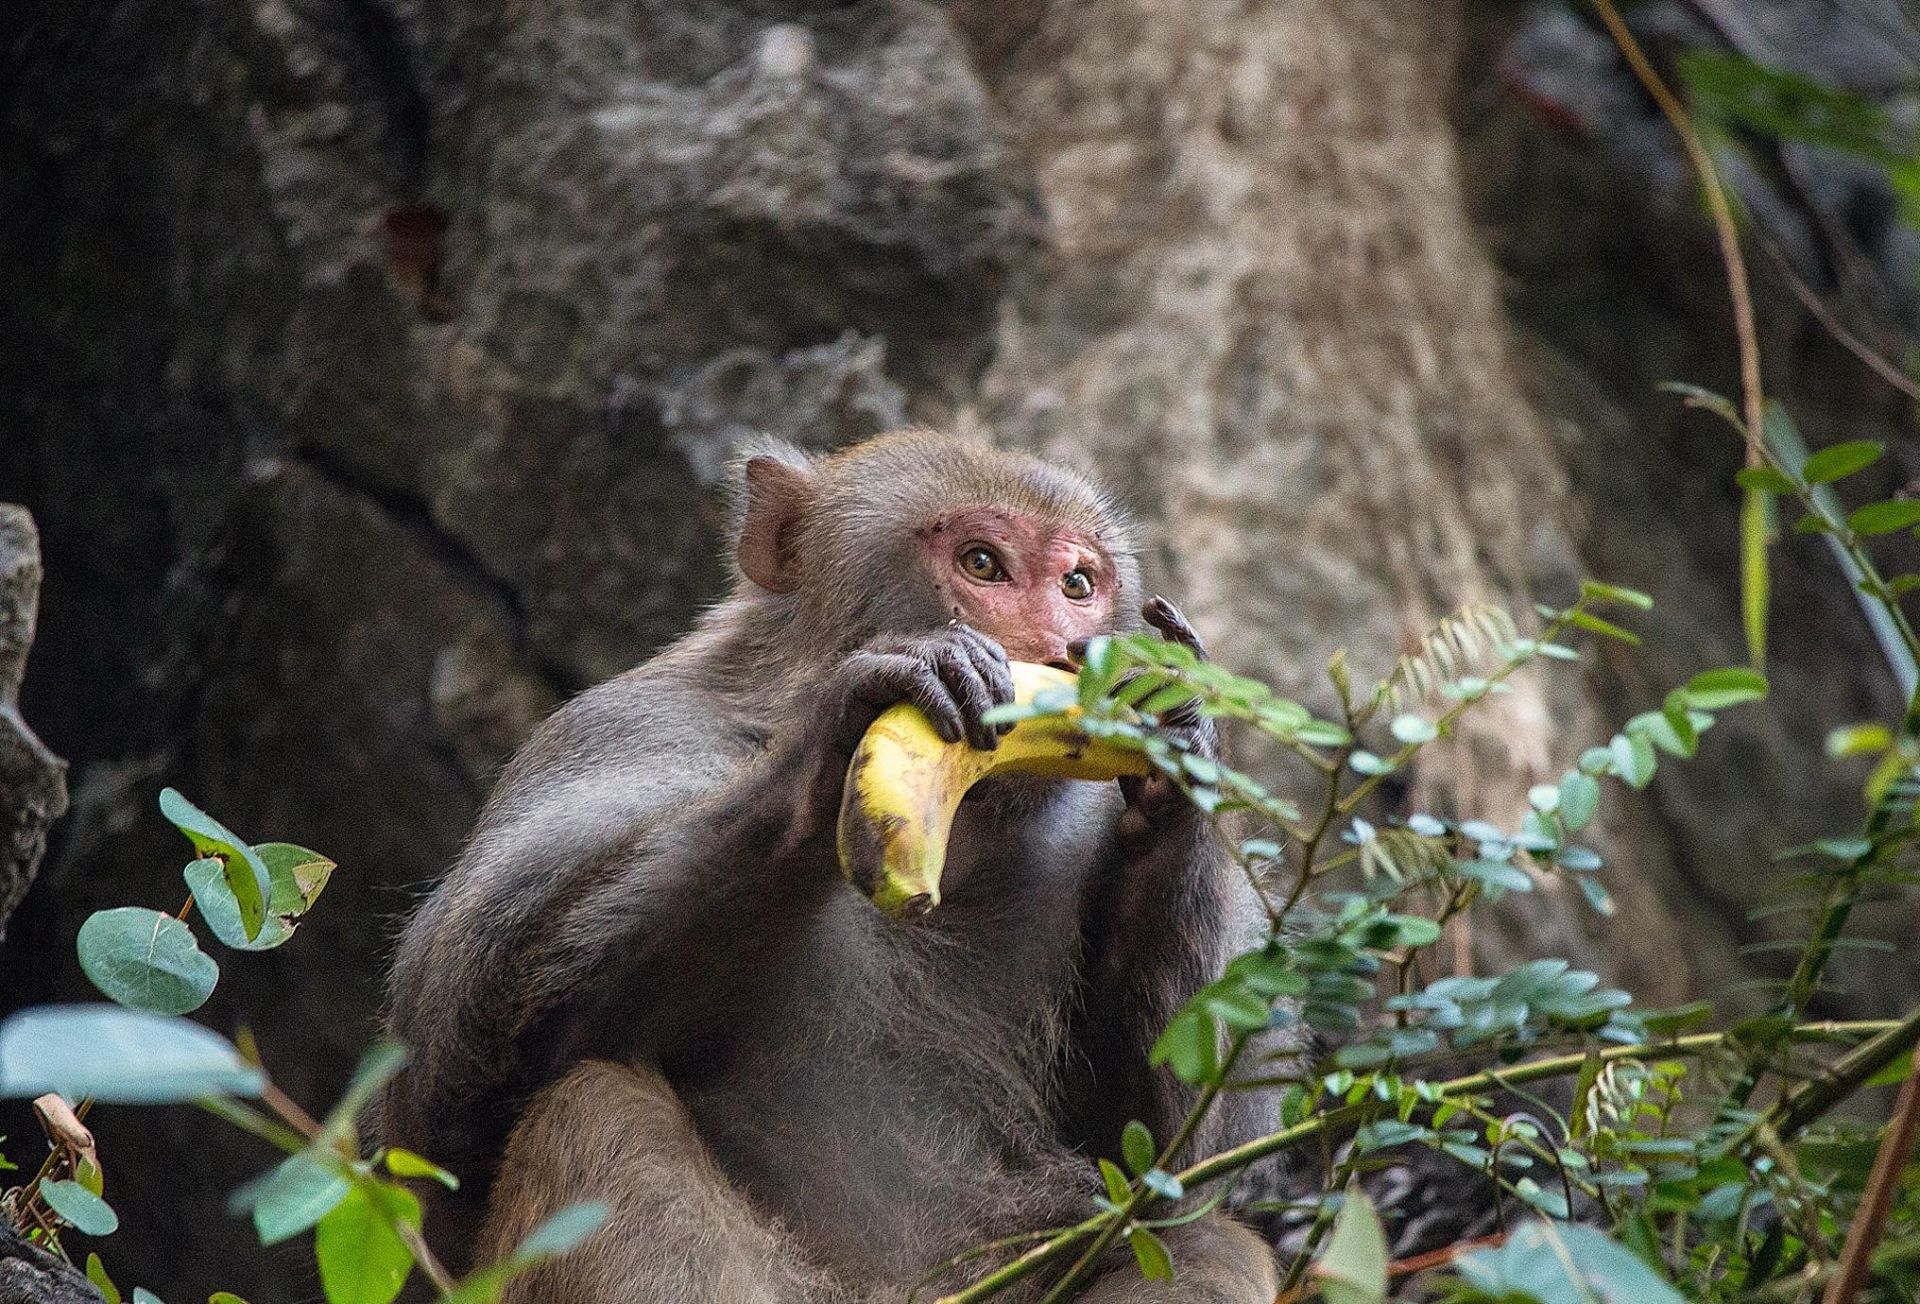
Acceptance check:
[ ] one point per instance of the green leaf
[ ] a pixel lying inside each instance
(1579, 799)
(1557, 1262)
(145, 960)
(307, 871)
(246, 873)
(1596, 894)
(1150, 1252)
(1715, 690)
(296, 878)
(1188, 1045)
(1764, 479)
(562, 1231)
(1496, 873)
(361, 1256)
(1595, 591)
(1841, 460)
(86, 1211)
(118, 1056)
(97, 1274)
(290, 1197)
(380, 1062)
(1885, 517)
(405, 1163)
(1736, 94)
(1633, 759)
(141, 1295)
(1353, 1268)
(224, 1297)
(1858, 740)
(1116, 1182)
(1136, 1147)
(207, 880)
(1323, 733)
(1413, 729)
(1593, 624)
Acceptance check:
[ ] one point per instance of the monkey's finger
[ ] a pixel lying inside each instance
(1173, 626)
(881, 679)
(968, 687)
(990, 663)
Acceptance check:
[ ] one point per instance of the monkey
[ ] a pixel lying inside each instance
(646, 981)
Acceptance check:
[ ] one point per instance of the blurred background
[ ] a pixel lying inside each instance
(369, 365)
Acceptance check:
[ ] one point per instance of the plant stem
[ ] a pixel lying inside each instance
(1729, 236)
(1814, 1097)
(1228, 1162)
(1141, 1196)
(1231, 1161)
(1870, 1219)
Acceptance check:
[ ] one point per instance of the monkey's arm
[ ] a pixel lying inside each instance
(1162, 916)
(641, 866)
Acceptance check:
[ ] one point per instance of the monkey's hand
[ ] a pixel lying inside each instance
(1155, 797)
(955, 675)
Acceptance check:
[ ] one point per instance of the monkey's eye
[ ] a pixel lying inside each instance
(1077, 584)
(982, 563)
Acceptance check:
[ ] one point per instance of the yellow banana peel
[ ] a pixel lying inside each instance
(906, 782)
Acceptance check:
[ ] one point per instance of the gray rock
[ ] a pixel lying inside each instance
(33, 781)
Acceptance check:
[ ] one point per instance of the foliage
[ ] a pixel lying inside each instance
(1739, 97)
(1661, 1177)
(365, 1221)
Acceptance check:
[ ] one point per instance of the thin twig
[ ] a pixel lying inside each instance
(1846, 339)
(1870, 1219)
(1754, 402)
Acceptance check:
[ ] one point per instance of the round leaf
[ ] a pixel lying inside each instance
(119, 1056)
(207, 880)
(1579, 799)
(246, 873)
(146, 960)
(290, 1197)
(1413, 729)
(81, 1207)
(362, 1258)
(1353, 1267)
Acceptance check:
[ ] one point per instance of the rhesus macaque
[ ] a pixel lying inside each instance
(647, 982)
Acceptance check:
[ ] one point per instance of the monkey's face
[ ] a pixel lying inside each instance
(1034, 584)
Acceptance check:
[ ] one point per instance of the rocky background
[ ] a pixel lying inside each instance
(368, 366)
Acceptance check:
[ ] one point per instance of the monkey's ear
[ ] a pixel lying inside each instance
(777, 497)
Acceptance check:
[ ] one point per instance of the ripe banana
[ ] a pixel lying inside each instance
(905, 783)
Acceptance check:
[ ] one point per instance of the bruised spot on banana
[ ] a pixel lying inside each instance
(905, 784)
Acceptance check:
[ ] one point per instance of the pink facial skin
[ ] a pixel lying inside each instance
(1026, 607)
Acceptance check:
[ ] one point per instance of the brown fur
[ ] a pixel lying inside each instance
(645, 979)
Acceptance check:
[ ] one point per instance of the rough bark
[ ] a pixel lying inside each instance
(33, 781)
